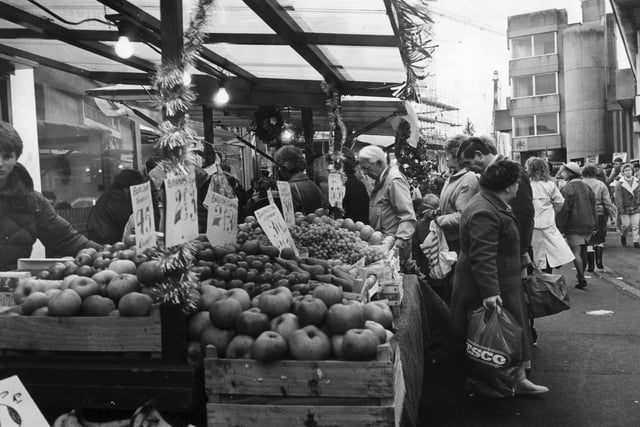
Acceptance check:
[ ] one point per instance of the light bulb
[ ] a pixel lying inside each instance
(124, 48)
(221, 97)
(186, 78)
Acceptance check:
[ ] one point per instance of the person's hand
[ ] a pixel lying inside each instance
(525, 260)
(493, 302)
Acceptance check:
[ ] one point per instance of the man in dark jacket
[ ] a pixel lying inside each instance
(306, 195)
(25, 214)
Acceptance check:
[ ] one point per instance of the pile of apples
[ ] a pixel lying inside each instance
(280, 324)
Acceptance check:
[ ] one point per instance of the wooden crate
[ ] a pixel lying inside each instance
(303, 393)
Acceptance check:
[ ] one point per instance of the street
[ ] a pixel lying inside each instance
(589, 362)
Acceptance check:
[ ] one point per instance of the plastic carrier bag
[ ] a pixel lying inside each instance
(436, 250)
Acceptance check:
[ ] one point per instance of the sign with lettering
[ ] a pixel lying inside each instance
(520, 144)
(336, 189)
(222, 220)
(143, 217)
(284, 190)
(17, 408)
(182, 209)
(274, 227)
(621, 155)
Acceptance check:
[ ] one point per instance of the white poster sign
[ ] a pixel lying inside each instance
(143, 217)
(336, 189)
(274, 227)
(622, 155)
(17, 408)
(284, 190)
(222, 220)
(182, 209)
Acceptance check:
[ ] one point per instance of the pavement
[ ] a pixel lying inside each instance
(589, 362)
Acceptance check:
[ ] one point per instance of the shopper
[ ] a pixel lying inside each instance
(390, 205)
(627, 199)
(550, 250)
(577, 219)
(489, 266)
(356, 199)
(427, 211)
(306, 194)
(604, 209)
(25, 214)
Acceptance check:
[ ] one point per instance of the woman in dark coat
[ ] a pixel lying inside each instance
(306, 195)
(488, 268)
(25, 214)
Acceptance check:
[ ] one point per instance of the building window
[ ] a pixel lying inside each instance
(539, 124)
(537, 84)
(533, 45)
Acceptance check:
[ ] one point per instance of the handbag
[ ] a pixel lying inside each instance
(545, 293)
(493, 352)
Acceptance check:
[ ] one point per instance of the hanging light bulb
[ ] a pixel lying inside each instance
(221, 97)
(124, 48)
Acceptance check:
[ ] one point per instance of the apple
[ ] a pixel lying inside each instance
(336, 346)
(217, 337)
(242, 296)
(211, 295)
(123, 266)
(344, 316)
(206, 254)
(56, 270)
(84, 286)
(380, 312)
(222, 273)
(65, 303)
(34, 301)
(70, 268)
(68, 279)
(103, 277)
(328, 293)
(276, 301)
(240, 347)
(42, 311)
(150, 272)
(240, 273)
(204, 272)
(360, 344)
(197, 322)
(52, 292)
(252, 322)
(309, 343)
(85, 270)
(311, 311)
(96, 305)
(235, 283)
(83, 258)
(135, 304)
(378, 329)
(100, 263)
(223, 313)
(285, 324)
(139, 259)
(127, 254)
(269, 347)
(122, 285)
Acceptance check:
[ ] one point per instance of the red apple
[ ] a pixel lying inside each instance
(310, 311)
(285, 324)
(150, 272)
(103, 277)
(240, 347)
(71, 268)
(242, 296)
(276, 301)
(100, 263)
(123, 266)
(138, 259)
(85, 270)
(34, 301)
(336, 346)
(378, 329)
(83, 259)
(68, 279)
(380, 312)
(252, 322)
(309, 343)
(96, 305)
(360, 344)
(56, 270)
(347, 315)
(223, 313)
(217, 337)
(211, 294)
(122, 285)
(135, 304)
(197, 322)
(65, 303)
(269, 347)
(42, 311)
(84, 286)
(127, 254)
(328, 293)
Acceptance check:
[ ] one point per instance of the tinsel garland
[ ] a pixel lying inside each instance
(179, 281)
(413, 162)
(334, 116)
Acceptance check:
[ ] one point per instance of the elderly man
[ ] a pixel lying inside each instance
(390, 205)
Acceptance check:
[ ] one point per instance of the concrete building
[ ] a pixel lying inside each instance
(563, 104)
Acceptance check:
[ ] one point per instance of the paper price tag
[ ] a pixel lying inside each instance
(274, 227)
(143, 217)
(182, 209)
(222, 220)
(17, 408)
(336, 189)
(284, 190)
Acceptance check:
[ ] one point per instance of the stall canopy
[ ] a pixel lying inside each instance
(264, 52)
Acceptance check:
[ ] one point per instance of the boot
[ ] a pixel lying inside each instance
(599, 251)
(590, 261)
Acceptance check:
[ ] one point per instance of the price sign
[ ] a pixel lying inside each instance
(336, 189)
(270, 198)
(274, 227)
(182, 209)
(222, 220)
(17, 408)
(143, 218)
(284, 190)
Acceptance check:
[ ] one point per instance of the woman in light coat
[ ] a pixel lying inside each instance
(550, 250)
(627, 198)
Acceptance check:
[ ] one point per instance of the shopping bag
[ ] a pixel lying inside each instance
(436, 250)
(493, 352)
(546, 294)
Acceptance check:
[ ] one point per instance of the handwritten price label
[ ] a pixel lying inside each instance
(222, 220)
(284, 190)
(182, 209)
(336, 189)
(274, 227)
(143, 218)
(17, 408)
